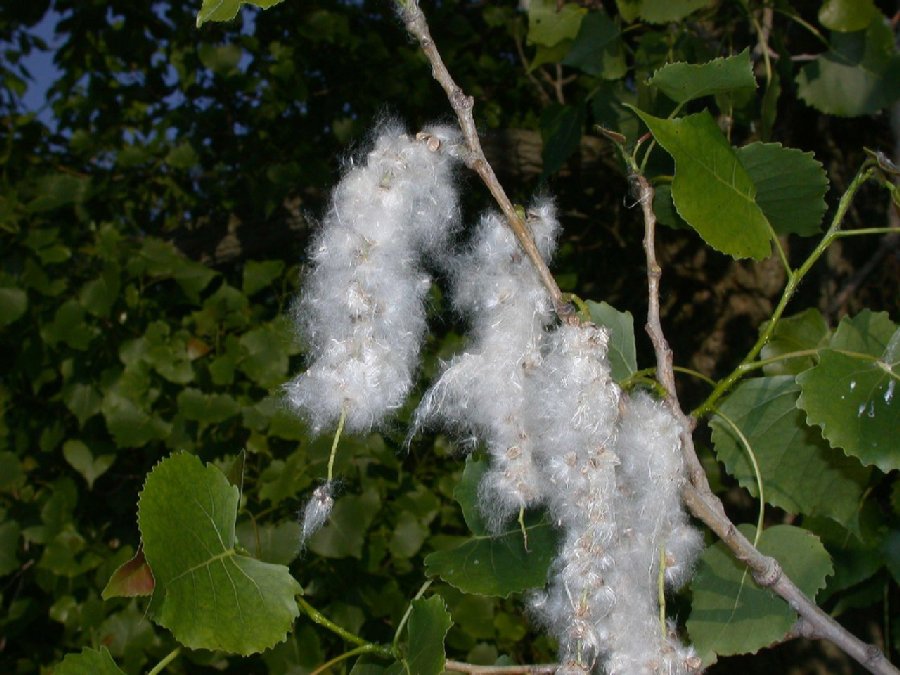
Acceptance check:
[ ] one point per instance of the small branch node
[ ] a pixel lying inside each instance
(770, 575)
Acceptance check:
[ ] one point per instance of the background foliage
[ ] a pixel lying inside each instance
(153, 218)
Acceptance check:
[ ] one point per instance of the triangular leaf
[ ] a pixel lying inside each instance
(800, 473)
(429, 622)
(711, 189)
(621, 353)
(790, 186)
(730, 614)
(207, 594)
(133, 578)
(497, 565)
(683, 82)
(89, 661)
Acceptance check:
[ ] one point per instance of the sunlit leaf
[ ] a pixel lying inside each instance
(711, 189)
(226, 10)
(550, 23)
(206, 593)
(847, 15)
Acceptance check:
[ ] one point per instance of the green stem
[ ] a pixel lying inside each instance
(866, 230)
(759, 482)
(650, 372)
(362, 649)
(167, 659)
(334, 444)
(406, 614)
(794, 278)
(341, 632)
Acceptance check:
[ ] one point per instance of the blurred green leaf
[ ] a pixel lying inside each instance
(13, 303)
(550, 24)
(9, 546)
(408, 536)
(859, 75)
(561, 127)
(344, 535)
(847, 15)
(259, 274)
(59, 190)
(98, 295)
(266, 360)
(83, 461)
(598, 49)
(272, 543)
(207, 594)
(194, 405)
(88, 661)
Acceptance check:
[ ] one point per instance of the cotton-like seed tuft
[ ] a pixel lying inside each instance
(317, 511)
(482, 391)
(361, 310)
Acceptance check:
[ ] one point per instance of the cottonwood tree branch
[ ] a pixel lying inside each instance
(697, 495)
(703, 504)
(462, 105)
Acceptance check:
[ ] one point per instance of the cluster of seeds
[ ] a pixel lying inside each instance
(539, 397)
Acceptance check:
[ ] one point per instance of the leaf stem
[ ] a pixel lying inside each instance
(406, 614)
(334, 444)
(341, 632)
(362, 649)
(166, 660)
(760, 519)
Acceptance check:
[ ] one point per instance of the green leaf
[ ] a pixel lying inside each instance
(270, 542)
(69, 326)
(854, 400)
(549, 24)
(13, 303)
(258, 275)
(597, 49)
(497, 565)
(801, 332)
(98, 295)
(194, 405)
(428, 624)
(800, 473)
(730, 614)
(664, 208)
(207, 594)
(344, 534)
(266, 362)
(83, 461)
(408, 536)
(182, 156)
(132, 579)
(9, 546)
(659, 11)
(711, 189)
(129, 424)
(88, 661)
(226, 10)
(868, 333)
(59, 190)
(790, 186)
(847, 15)
(622, 354)
(561, 127)
(466, 494)
(683, 82)
(859, 75)
(161, 259)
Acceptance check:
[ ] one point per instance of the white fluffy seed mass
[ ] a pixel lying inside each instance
(482, 391)
(361, 309)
